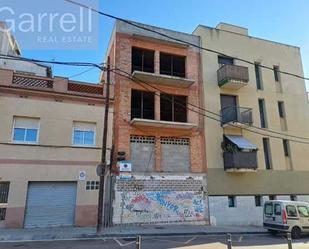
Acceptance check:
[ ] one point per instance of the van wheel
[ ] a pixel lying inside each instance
(295, 233)
(273, 232)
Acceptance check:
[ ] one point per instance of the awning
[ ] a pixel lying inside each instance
(241, 142)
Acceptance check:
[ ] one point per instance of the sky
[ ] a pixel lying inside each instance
(284, 21)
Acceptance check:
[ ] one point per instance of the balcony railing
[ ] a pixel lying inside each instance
(240, 161)
(236, 115)
(232, 76)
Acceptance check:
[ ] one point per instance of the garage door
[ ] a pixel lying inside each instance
(50, 204)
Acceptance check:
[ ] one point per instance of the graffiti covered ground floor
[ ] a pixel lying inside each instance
(161, 199)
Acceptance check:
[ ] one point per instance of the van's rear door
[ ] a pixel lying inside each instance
(268, 213)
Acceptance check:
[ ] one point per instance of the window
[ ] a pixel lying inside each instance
(222, 60)
(262, 113)
(173, 108)
(267, 156)
(258, 200)
(258, 76)
(84, 133)
(142, 104)
(303, 211)
(26, 130)
(272, 197)
(291, 211)
(232, 201)
(281, 109)
(276, 73)
(92, 185)
(4, 194)
(277, 209)
(286, 147)
(268, 210)
(142, 60)
(293, 197)
(173, 65)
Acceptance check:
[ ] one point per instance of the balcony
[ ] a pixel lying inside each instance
(161, 79)
(236, 116)
(240, 161)
(233, 77)
(240, 155)
(162, 124)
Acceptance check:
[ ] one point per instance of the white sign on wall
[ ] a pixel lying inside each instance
(82, 175)
(125, 166)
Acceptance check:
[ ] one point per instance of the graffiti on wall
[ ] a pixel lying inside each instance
(159, 206)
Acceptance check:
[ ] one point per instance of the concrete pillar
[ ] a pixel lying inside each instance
(157, 106)
(60, 84)
(158, 154)
(157, 62)
(6, 77)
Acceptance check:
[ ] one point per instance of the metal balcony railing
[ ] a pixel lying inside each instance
(240, 160)
(236, 76)
(235, 114)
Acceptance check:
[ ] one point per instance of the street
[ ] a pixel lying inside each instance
(190, 242)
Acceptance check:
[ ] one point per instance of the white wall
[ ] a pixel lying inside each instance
(244, 214)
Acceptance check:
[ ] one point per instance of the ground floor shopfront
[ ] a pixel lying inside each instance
(48, 195)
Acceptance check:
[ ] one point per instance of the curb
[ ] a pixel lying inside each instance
(37, 238)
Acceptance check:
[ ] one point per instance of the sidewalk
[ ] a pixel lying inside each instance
(69, 233)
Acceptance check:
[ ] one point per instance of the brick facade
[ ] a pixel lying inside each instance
(120, 55)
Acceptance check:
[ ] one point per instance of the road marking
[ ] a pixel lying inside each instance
(123, 245)
(188, 241)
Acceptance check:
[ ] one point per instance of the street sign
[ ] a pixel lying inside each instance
(125, 166)
(82, 175)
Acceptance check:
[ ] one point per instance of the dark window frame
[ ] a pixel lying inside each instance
(224, 60)
(258, 200)
(276, 73)
(176, 116)
(4, 196)
(272, 197)
(140, 111)
(231, 201)
(286, 147)
(258, 76)
(143, 52)
(173, 60)
(281, 109)
(262, 111)
(267, 153)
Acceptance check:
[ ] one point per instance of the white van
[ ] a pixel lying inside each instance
(286, 216)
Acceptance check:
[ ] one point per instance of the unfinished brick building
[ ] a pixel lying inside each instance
(158, 91)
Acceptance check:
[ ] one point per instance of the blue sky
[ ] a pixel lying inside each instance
(284, 21)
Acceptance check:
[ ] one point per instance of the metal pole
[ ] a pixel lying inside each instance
(229, 241)
(138, 242)
(103, 153)
(289, 239)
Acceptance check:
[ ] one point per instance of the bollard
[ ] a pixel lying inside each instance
(289, 240)
(138, 242)
(229, 241)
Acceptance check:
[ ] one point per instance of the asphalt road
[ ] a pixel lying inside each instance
(189, 242)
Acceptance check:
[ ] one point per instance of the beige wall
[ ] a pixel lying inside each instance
(293, 94)
(46, 161)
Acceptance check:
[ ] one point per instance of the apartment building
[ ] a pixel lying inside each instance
(50, 145)
(9, 46)
(156, 128)
(247, 162)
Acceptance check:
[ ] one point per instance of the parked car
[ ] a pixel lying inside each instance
(286, 216)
